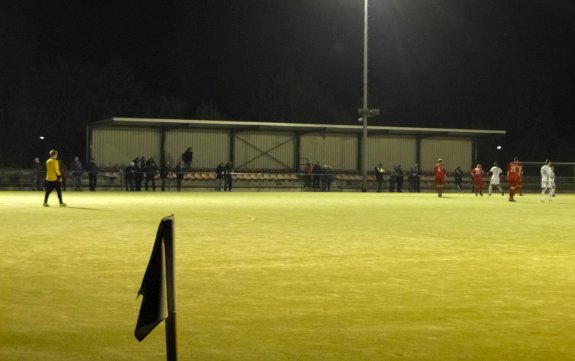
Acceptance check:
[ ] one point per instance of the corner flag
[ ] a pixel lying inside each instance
(158, 289)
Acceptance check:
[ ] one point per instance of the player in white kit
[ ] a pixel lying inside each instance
(545, 172)
(552, 182)
(495, 179)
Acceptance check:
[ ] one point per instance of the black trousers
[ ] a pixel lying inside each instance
(92, 180)
(50, 186)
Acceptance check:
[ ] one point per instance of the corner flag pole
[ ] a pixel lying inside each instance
(171, 342)
(159, 289)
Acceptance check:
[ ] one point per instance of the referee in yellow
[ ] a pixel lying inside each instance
(53, 178)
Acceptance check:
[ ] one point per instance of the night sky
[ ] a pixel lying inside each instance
(489, 64)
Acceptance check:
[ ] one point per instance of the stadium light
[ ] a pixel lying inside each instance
(365, 112)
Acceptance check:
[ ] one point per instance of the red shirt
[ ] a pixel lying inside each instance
(439, 171)
(477, 174)
(514, 170)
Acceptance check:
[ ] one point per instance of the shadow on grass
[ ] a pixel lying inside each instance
(87, 208)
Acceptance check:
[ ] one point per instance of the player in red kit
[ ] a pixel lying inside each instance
(439, 171)
(519, 186)
(514, 173)
(477, 175)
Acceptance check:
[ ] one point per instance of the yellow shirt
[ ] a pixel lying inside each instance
(52, 170)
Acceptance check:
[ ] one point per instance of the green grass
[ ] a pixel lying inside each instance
(292, 276)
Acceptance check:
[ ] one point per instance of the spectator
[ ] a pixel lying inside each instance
(77, 169)
(228, 177)
(316, 174)
(129, 174)
(37, 175)
(327, 177)
(179, 176)
(92, 169)
(151, 169)
(64, 172)
(307, 176)
(399, 177)
(458, 178)
(415, 178)
(164, 170)
(220, 173)
(140, 164)
(393, 179)
(187, 158)
(379, 172)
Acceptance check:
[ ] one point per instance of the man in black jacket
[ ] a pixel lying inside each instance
(379, 171)
(415, 178)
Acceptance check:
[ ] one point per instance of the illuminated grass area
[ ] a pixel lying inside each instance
(292, 276)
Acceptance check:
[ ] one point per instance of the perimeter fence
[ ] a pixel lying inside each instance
(273, 180)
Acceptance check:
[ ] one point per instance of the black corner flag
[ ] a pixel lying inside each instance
(158, 289)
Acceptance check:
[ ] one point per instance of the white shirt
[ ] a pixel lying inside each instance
(545, 171)
(495, 173)
(551, 178)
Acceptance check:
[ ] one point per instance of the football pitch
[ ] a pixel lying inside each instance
(292, 276)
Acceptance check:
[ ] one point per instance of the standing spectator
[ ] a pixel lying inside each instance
(187, 158)
(458, 176)
(439, 172)
(307, 176)
(37, 175)
(328, 178)
(151, 169)
(545, 180)
(53, 177)
(228, 177)
(179, 176)
(77, 169)
(399, 178)
(514, 171)
(316, 174)
(129, 174)
(495, 179)
(140, 164)
(323, 178)
(92, 169)
(477, 176)
(393, 179)
(164, 170)
(415, 181)
(64, 172)
(379, 172)
(220, 171)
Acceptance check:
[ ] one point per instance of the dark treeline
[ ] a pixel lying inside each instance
(67, 63)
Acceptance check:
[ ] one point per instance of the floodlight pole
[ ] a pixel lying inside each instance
(365, 110)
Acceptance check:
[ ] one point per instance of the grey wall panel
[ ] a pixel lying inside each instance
(275, 150)
(210, 147)
(338, 151)
(257, 150)
(119, 146)
(454, 152)
(390, 151)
